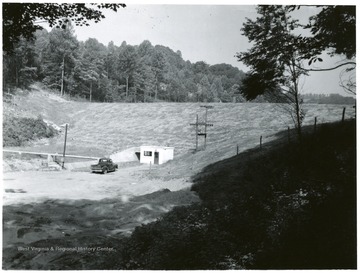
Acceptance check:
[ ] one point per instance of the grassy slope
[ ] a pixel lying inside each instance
(129, 125)
(282, 207)
(98, 129)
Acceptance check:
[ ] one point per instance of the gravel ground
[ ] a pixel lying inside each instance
(39, 186)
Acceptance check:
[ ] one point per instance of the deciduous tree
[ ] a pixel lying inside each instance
(22, 19)
(158, 65)
(127, 64)
(60, 57)
(333, 30)
(275, 58)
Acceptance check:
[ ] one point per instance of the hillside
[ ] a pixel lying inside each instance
(279, 207)
(98, 129)
(285, 206)
(71, 210)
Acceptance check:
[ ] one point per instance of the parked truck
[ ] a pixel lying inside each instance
(104, 166)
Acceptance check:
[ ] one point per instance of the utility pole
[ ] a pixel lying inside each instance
(196, 124)
(63, 163)
(205, 124)
(197, 130)
(206, 109)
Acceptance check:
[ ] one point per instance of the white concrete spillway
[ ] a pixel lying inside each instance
(51, 154)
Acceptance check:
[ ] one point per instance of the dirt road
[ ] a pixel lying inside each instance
(56, 210)
(39, 186)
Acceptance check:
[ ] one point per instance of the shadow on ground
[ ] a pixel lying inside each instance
(79, 234)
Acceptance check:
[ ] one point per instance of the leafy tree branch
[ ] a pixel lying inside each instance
(327, 69)
(21, 19)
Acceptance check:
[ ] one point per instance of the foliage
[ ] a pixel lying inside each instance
(333, 31)
(125, 73)
(278, 52)
(102, 73)
(21, 19)
(334, 27)
(59, 58)
(275, 58)
(21, 68)
(17, 131)
(279, 208)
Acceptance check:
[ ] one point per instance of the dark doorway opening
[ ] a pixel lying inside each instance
(156, 159)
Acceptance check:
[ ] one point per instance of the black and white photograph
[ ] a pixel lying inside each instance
(178, 136)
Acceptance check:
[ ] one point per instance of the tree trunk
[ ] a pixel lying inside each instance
(16, 76)
(62, 77)
(297, 101)
(156, 89)
(127, 86)
(90, 91)
(298, 115)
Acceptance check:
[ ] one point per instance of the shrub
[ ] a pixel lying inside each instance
(17, 131)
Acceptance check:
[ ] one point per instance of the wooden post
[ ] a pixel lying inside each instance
(63, 163)
(206, 109)
(237, 149)
(343, 114)
(315, 125)
(197, 131)
(260, 142)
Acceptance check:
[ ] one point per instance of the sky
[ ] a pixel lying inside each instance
(209, 33)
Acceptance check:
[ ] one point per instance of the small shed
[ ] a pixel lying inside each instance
(156, 154)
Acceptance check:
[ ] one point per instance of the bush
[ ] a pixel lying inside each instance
(17, 131)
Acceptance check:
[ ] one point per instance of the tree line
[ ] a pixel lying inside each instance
(328, 99)
(116, 73)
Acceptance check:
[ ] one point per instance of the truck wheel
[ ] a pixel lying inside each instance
(105, 170)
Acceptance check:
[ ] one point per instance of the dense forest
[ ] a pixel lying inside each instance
(125, 73)
(112, 73)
